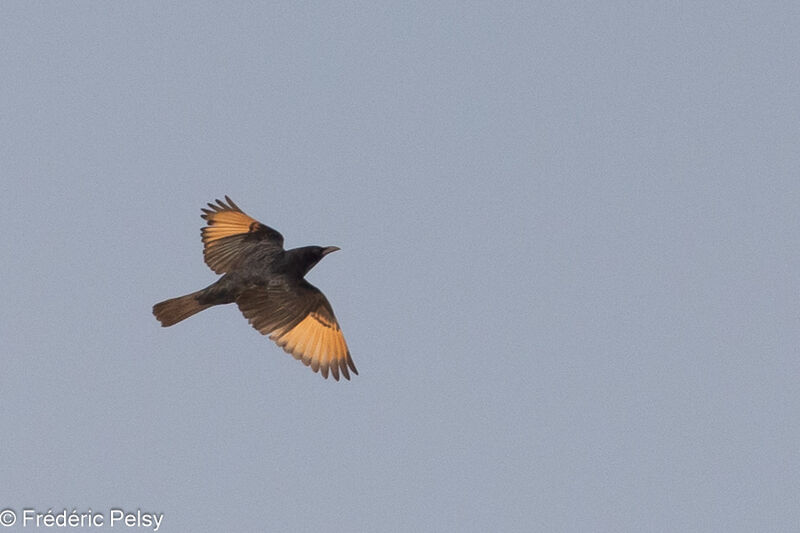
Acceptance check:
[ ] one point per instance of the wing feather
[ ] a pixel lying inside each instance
(231, 236)
(301, 321)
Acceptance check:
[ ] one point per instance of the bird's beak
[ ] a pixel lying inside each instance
(329, 249)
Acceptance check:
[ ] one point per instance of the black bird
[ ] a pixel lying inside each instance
(267, 283)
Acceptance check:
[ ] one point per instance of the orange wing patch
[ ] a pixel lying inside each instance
(226, 221)
(319, 343)
(228, 233)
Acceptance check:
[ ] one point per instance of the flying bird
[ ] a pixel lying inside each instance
(267, 283)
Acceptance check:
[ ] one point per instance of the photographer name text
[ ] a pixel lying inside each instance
(114, 518)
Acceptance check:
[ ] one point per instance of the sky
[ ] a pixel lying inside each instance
(569, 268)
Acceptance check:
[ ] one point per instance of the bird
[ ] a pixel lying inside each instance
(268, 285)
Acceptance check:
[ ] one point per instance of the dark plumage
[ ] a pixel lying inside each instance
(267, 283)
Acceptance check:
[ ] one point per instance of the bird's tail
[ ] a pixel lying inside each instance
(172, 311)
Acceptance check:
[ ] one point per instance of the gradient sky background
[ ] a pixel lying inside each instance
(569, 274)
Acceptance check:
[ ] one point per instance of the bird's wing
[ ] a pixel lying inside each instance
(300, 320)
(231, 236)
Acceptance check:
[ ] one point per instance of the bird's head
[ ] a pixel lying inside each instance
(308, 256)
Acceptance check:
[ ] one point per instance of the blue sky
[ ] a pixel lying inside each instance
(568, 277)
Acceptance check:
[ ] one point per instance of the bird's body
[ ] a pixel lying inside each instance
(268, 284)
